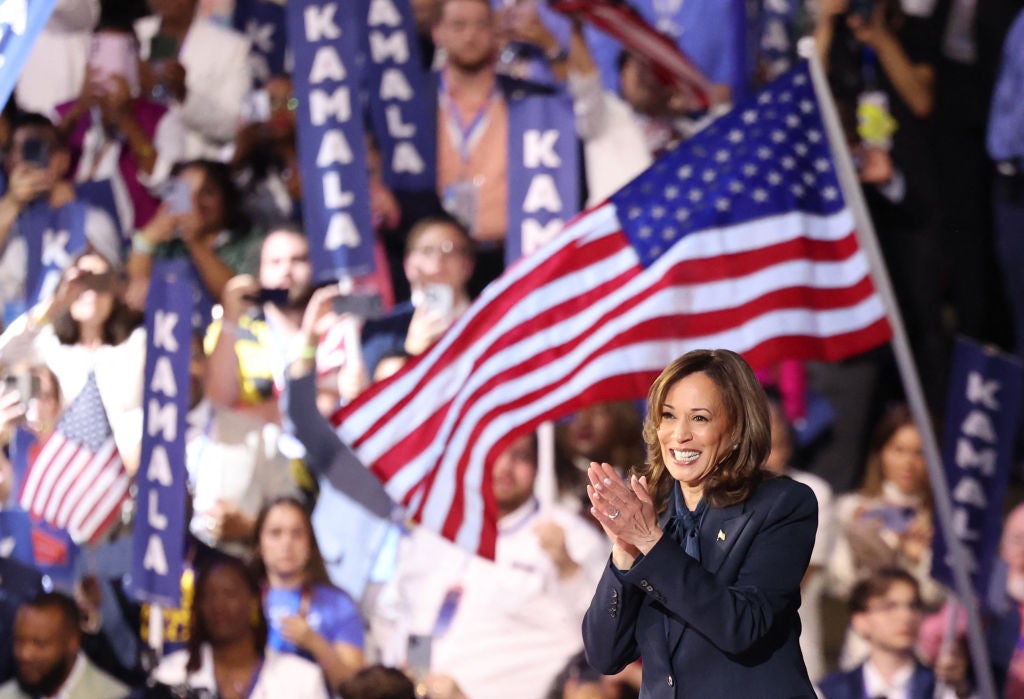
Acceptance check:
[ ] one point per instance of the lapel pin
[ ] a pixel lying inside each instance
(721, 535)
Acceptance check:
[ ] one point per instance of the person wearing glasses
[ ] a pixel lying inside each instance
(886, 610)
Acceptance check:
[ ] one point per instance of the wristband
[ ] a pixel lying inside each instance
(308, 352)
(141, 245)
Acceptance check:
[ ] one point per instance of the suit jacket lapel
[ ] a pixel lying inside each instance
(718, 532)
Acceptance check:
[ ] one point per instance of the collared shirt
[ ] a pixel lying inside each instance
(76, 672)
(896, 688)
(1005, 138)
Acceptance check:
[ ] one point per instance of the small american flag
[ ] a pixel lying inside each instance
(78, 481)
(738, 239)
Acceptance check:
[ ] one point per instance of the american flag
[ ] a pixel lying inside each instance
(739, 239)
(78, 481)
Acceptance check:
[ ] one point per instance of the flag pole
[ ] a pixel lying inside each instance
(868, 240)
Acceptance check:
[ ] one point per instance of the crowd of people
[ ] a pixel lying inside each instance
(681, 531)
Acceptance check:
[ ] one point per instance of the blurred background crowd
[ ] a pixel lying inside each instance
(187, 150)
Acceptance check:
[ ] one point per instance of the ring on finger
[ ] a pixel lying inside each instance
(613, 515)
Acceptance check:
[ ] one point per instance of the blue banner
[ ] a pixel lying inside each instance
(159, 530)
(53, 237)
(20, 24)
(263, 22)
(543, 170)
(399, 96)
(100, 194)
(324, 39)
(981, 422)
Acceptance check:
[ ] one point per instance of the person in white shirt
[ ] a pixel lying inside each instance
(48, 658)
(886, 610)
(199, 64)
(502, 628)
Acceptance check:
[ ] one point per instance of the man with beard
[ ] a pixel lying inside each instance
(47, 656)
(472, 129)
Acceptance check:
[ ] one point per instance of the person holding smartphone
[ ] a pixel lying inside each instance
(38, 165)
(199, 65)
(115, 134)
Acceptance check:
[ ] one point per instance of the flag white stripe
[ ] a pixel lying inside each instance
(112, 497)
(34, 476)
(62, 452)
(95, 503)
(711, 296)
(87, 481)
(77, 469)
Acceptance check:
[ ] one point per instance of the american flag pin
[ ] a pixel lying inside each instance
(721, 535)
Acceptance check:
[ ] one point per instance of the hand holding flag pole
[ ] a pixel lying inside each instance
(907, 368)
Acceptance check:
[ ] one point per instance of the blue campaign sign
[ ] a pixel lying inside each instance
(159, 530)
(20, 24)
(978, 439)
(324, 39)
(543, 169)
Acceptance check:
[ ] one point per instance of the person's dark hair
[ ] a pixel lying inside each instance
(68, 608)
(316, 569)
(219, 174)
(120, 22)
(894, 419)
(428, 222)
(877, 584)
(119, 324)
(378, 682)
(198, 634)
(738, 474)
(35, 120)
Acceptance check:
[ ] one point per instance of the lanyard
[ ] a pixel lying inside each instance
(465, 136)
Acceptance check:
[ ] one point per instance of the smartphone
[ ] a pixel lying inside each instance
(36, 151)
(178, 197)
(26, 384)
(162, 47)
(113, 54)
(362, 305)
(439, 298)
(417, 656)
(862, 8)
(275, 297)
(894, 518)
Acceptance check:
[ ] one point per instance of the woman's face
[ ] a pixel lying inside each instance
(694, 429)
(592, 431)
(95, 302)
(903, 460)
(227, 605)
(284, 541)
(207, 199)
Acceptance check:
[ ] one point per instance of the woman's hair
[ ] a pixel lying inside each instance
(118, 325)
(198, 634)
(219, 175)
(894, 419)
(316, 571)
(737, 475)
(378, 682)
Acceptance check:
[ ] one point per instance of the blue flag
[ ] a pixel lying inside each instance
(981, 421)
(159, 533)
(324, 39)
(262, 21)
(20, 24)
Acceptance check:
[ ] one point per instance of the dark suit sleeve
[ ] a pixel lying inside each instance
(735, 617)
(608, 626)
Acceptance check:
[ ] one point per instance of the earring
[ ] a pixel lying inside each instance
(735, 446)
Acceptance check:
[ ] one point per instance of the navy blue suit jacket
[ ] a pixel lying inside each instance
(726, 626)
(850, 685)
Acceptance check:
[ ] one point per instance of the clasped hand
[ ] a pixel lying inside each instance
(625, 511)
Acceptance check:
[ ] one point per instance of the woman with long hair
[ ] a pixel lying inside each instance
(708, 548)
(888, 521)
(227, 651)
(308, 615)
(85, 333)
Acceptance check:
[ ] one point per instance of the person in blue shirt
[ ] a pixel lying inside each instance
(306, 614)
